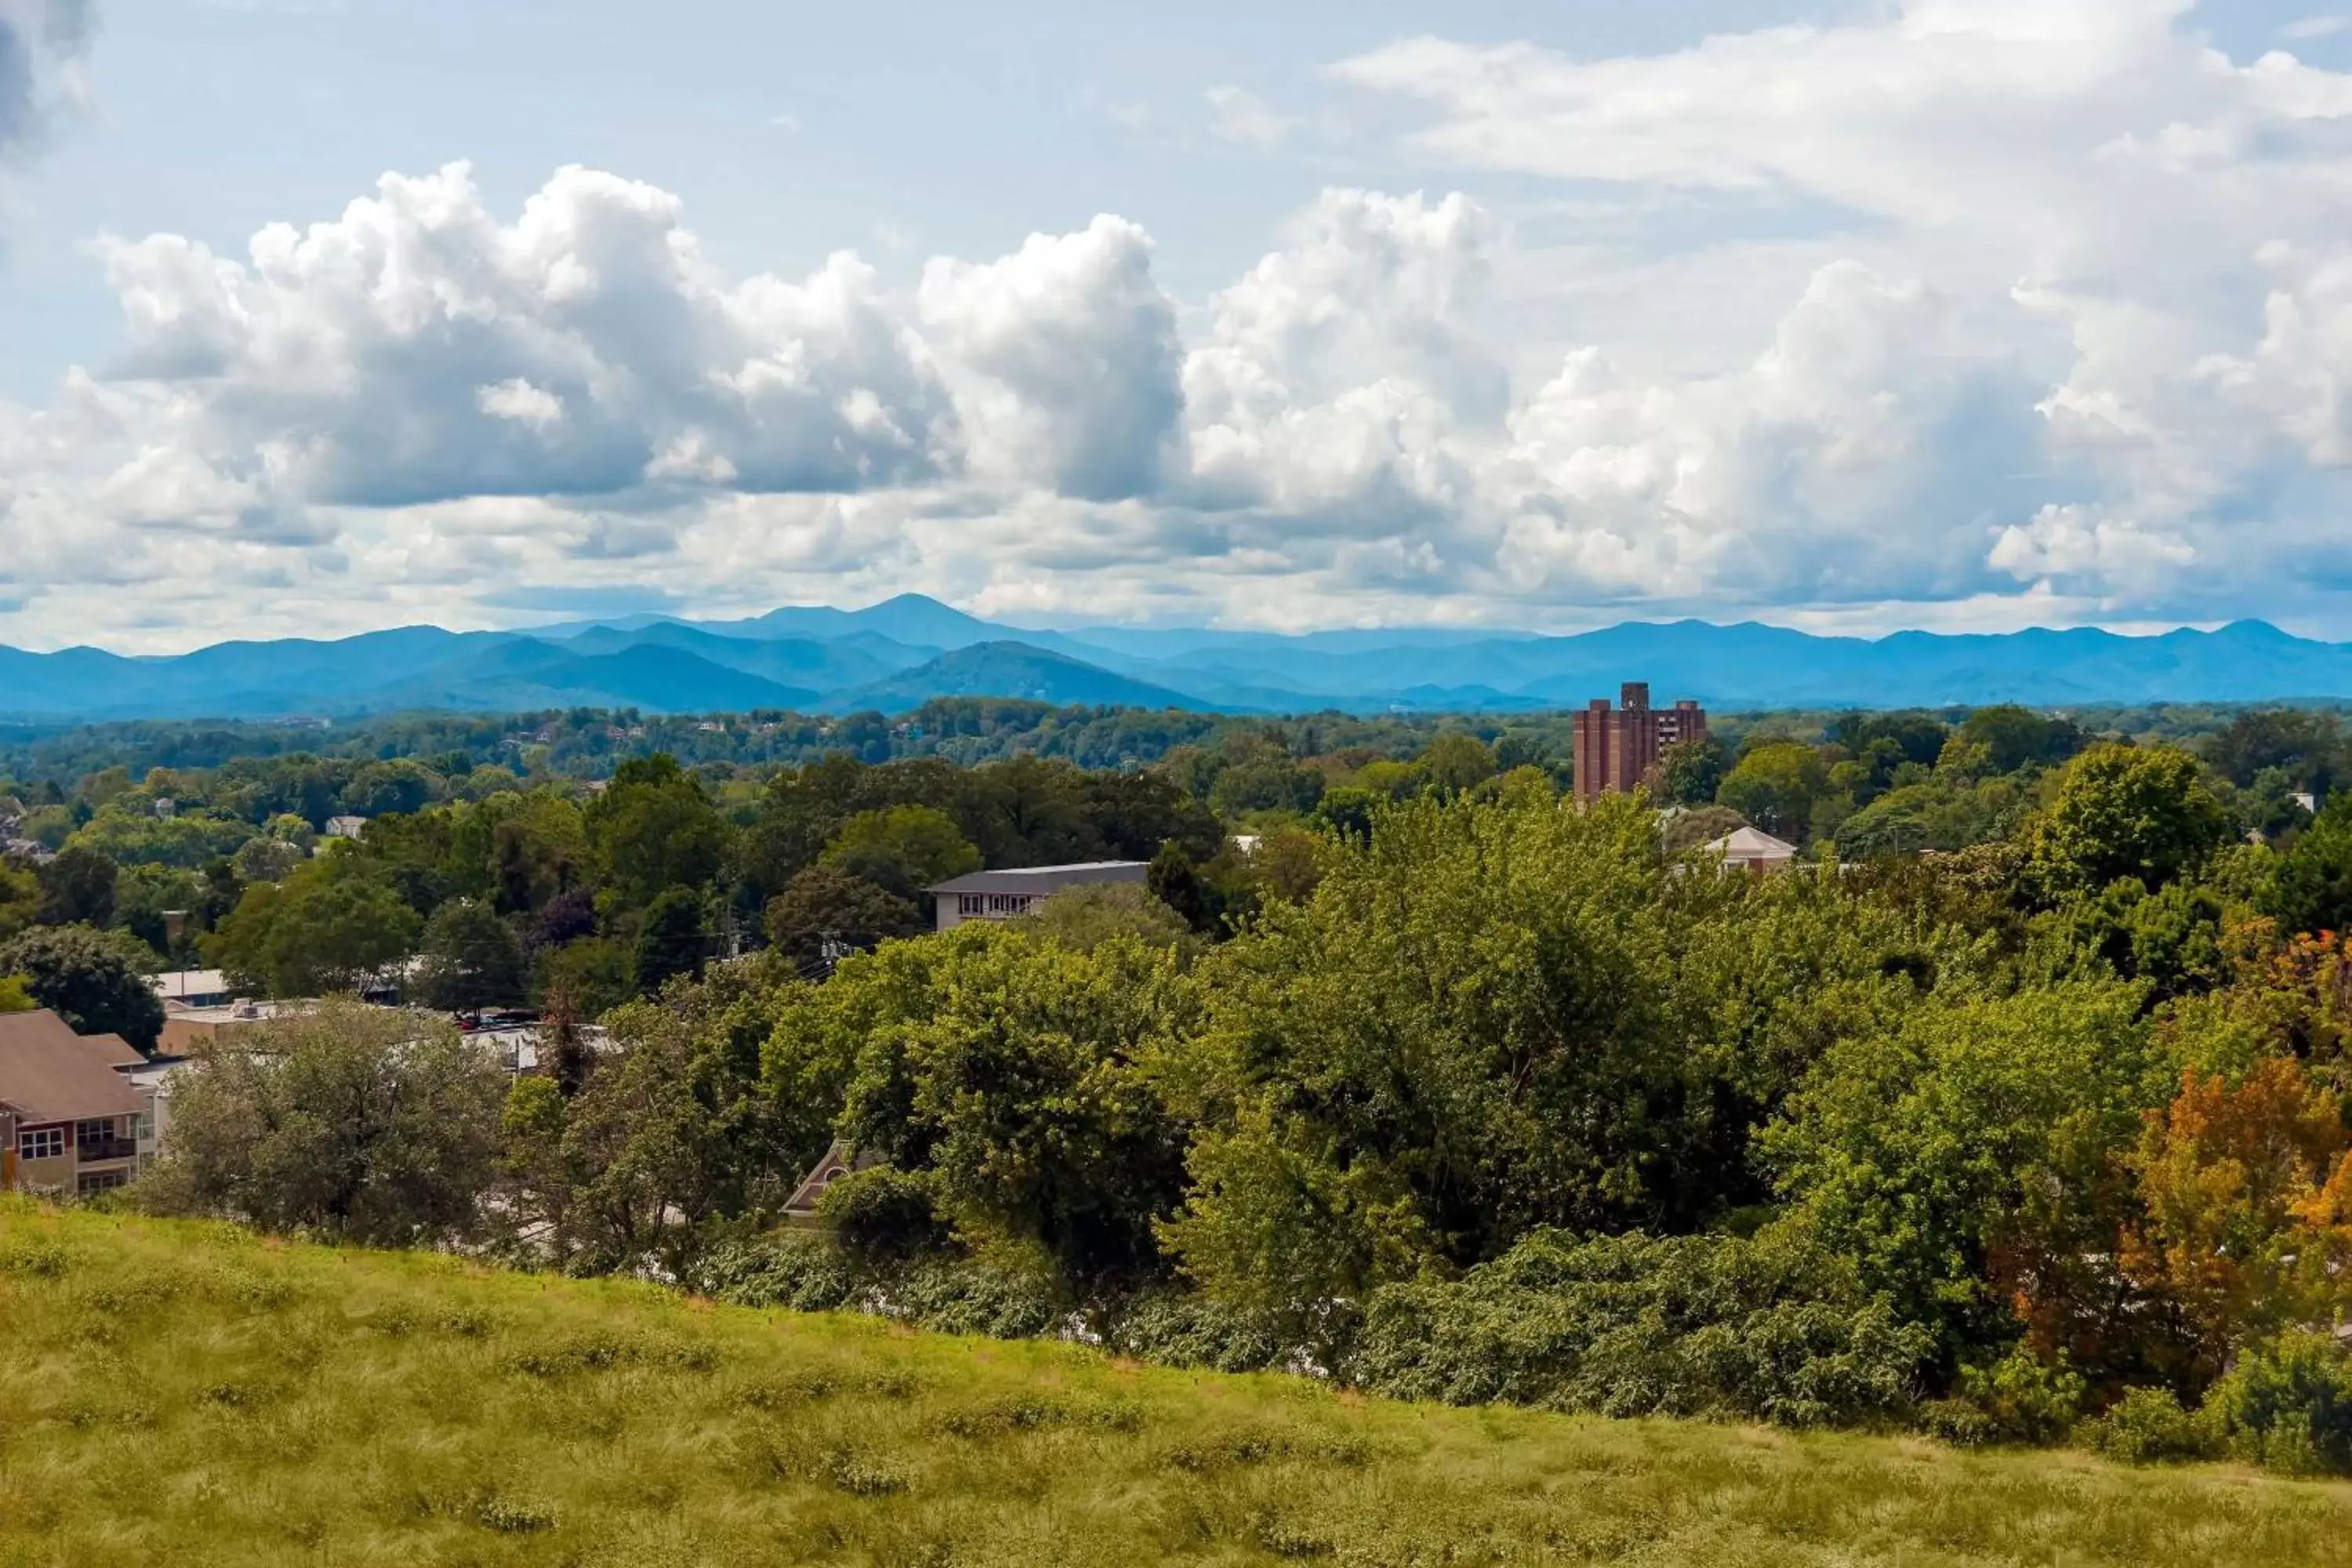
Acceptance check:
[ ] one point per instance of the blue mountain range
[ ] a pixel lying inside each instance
(899, 654)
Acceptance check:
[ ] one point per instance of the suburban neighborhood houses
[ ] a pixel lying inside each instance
(72, 1118)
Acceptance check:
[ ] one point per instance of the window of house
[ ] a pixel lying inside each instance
(41, 1143)
(94, 1133)
(970, 903)
(91, 1182)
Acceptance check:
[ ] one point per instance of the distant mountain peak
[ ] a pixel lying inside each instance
(899, 653)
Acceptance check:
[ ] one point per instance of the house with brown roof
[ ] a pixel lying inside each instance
(71, 1119)
(839, 1161)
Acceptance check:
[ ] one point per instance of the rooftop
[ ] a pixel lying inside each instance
(114, 1050)
(181, 984)
(1045, 878)
(241, 1012)
(48, 1073)
(1749, 844)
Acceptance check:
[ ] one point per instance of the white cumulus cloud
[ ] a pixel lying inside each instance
(1962, 309)
(1240, 116)
(1075, 357)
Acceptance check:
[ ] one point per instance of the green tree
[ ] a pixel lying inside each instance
(672, 1129)
(1261, 775)
(398, 787)
(902, 848)
(653, 829)
(330, 927)
(591, 975)
(2306, 748)
(803, 809)
(96, 981)
(1175, 881)
(1940, 813)
(2123, 811)
(357, 1122)
(20, 899)
(1495, 1015)
(1970, 1159)
(1691, 772)
(267, 860)
(672, 940)
(539, 850)
(1083, 917)
(1456, 762)
(77, 888)
(1348, 810)
(130, 834)
(1918, 737)
(1775, 786)
(1013, 1073)
(145, 898)
(470, 959)
(1133, 814)
(826, 905)
(2311, 888)
(2015, 737)
(16, 995)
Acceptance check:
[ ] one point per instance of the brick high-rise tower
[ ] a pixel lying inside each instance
(1615, 750)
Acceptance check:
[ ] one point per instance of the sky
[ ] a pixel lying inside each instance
(318, 316)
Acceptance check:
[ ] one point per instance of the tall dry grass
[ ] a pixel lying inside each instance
(189, 1394)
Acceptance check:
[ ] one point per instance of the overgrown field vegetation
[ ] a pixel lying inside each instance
(1435, 1086)
(192, 1394)
(1505, 1101)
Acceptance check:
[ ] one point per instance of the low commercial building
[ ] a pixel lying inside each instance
(187, 1030)
(1009, 895)
(72, 1118)
(192, 988)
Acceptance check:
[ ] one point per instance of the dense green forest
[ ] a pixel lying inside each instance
(589, 743)
(2017, 1110)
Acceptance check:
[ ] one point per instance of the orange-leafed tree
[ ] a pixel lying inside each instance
(2246, 1189)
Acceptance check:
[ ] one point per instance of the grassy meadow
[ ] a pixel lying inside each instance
(191, 1394)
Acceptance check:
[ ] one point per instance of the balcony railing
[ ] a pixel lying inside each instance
(93, 1148)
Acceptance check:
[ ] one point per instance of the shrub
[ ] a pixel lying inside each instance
(883, 1213)
(807, 1275)
(1765, 1328)
(2147, 1426)
(1959, 1423)
(954, 1298)
(1196, 1332)
(2287, 1405)
(812, 1274)
(2024, 1398)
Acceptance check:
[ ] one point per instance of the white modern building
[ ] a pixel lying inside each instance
(1008, 895)
(192, 988)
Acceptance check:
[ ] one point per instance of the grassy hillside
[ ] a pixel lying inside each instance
(191, 1395)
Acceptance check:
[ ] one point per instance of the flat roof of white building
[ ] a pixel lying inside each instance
(181, 984)
(1046, 878)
